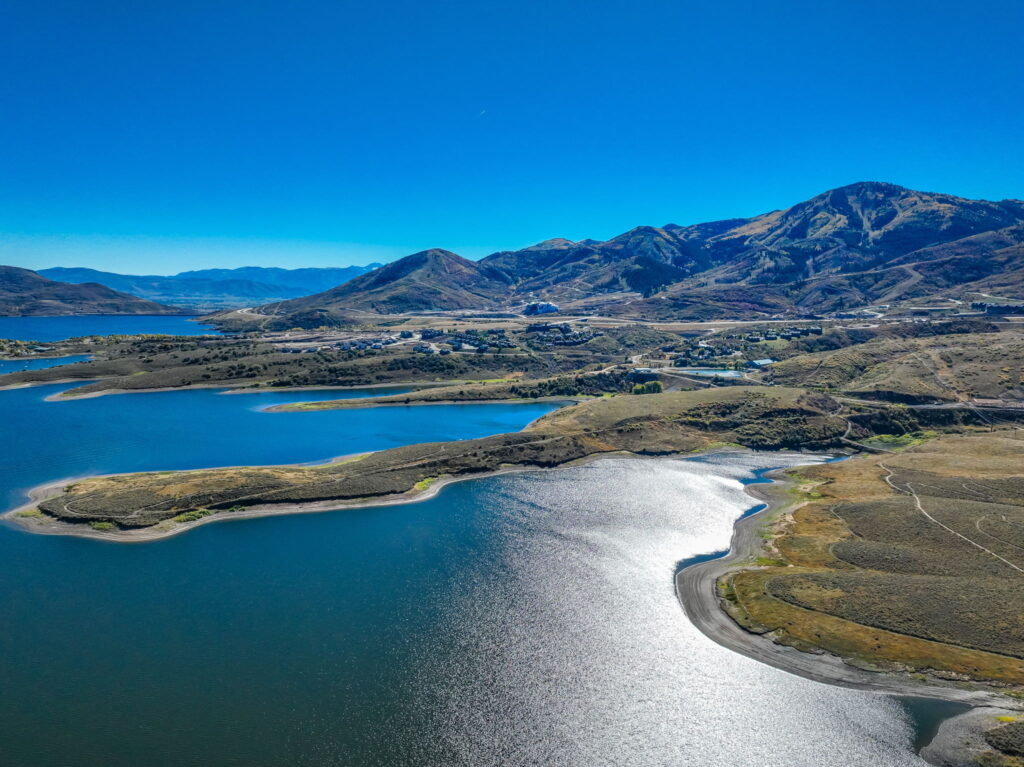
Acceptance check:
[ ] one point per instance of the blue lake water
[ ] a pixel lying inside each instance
(522, 619)
(58, 328)
(38, 363)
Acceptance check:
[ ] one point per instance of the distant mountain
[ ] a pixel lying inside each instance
(26, 293)
(864, 243)
(302, 281)
(427, 281)
(211, 289)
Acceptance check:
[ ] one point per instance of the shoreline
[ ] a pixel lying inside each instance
(39, 493)
(359, 403)
(227, 388)
(696, 587)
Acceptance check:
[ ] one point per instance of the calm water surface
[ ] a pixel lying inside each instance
(14, 365)
(58, 328)
(523, 619)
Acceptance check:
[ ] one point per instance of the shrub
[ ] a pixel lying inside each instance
(1009, 738)
(192, 516)
(651, 387)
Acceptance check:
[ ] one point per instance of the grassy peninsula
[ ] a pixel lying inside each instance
(159, 503)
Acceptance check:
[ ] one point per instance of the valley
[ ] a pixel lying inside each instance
(872, 323)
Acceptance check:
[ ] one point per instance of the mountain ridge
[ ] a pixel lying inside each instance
(846, 247)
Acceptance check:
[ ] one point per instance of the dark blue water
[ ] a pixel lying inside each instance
(225, 647)
(58, 328)
(14, 365)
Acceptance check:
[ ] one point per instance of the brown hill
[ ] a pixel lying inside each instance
(430, 280)
(861, 227)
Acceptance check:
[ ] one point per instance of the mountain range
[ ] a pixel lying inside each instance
(862, 244)
(25, 293)
(212, 289)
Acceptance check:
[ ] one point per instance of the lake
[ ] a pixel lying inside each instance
(513, 620)
(59, 328)
(38, 363)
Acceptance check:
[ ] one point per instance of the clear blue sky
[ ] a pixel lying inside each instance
(145, 136)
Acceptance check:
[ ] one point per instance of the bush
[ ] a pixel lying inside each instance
(192, 516)
(651, 387)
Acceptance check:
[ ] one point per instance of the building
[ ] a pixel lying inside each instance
(540, 307)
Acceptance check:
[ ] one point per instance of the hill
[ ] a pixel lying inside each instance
(859, 244)
(26, 293)
(430, 280)
(213, 289)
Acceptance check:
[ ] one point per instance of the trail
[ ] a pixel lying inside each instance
(917, 502)
(901, 287)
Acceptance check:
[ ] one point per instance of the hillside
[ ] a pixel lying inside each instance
(25, 293)
(858, 245)
(430, 280)
(213, 289)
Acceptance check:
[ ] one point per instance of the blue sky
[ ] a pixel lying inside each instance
(152, 137)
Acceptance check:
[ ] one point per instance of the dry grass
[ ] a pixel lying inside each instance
(869, 577)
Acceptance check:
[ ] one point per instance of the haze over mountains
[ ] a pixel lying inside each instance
(210, 289)
(861, 244)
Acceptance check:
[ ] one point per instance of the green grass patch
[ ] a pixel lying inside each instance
(423, 484)
(192, 516)
(101, 526)
(29, 513)
(900, 441)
